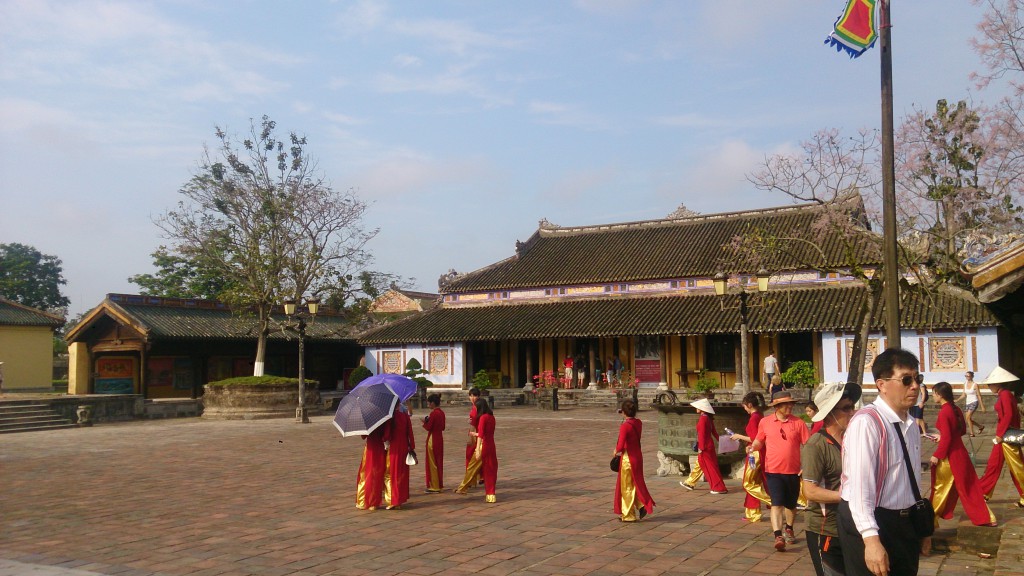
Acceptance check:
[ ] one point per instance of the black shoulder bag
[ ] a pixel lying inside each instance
(922, 515)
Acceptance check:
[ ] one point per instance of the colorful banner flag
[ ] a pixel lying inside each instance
(855, 30)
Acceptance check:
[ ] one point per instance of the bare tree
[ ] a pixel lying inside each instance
(838, 174)
(261, 215)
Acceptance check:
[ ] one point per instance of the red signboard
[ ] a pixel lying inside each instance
(648, 370)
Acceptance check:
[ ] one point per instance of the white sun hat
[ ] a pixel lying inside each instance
(830, 394)
(1000, 375)
(703, 405)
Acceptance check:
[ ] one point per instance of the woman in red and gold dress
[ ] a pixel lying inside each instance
(707, 451)
(953, 475)
(1007, 417)
(474, 395)
(753, 469)
(434, 424)
(398, 433)
(632, 500)
(370, 478)
(484, 462)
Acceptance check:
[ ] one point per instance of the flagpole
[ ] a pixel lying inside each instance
(890, 254)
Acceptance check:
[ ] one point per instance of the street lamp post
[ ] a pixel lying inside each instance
(721, 281)
(292, 310)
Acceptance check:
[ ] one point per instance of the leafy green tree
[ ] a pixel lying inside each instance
(180, 277)
(352, 295)
(259, 214)
(32, 278)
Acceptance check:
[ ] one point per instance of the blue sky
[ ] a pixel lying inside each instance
(462, 122)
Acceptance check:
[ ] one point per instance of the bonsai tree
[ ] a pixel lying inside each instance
(481, 380)
(414, 370)
(358, 375)
(800, 374)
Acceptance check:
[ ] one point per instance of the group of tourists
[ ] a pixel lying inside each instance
(383, 477)
(574, 371)
(856, 473)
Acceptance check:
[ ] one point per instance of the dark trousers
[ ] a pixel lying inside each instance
(896, 533)
(826, 554)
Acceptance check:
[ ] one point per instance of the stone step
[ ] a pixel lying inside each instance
(30, 417)
(38, 428)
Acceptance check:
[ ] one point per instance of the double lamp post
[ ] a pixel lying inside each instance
(296, 314)
(721, 281)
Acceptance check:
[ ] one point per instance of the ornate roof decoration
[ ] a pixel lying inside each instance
(995, 265)
(681, 212)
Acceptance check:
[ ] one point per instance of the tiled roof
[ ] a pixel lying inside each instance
(162, 318)
(657, 249)
(787, 310)
(14, 314)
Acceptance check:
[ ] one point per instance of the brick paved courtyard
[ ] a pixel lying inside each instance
(275, 498)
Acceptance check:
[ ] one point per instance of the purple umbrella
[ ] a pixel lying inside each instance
(365, 408)
(404, 386)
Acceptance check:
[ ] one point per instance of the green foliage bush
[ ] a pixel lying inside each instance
(482, 380)
(704, 382)
(358, 375)
(265, 380)
(800, 374)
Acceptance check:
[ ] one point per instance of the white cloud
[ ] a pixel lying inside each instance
(711, 181)
(343, 119)
(407, 60)
(130, 47)
(612, 7)
(405, 173)
(455, 80)
(574, 186)
(565, 115)
(362, 17)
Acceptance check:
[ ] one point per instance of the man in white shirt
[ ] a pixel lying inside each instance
(771, 368)
(874, 526)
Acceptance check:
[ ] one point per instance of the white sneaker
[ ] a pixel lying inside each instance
(717, 492)
(685, 485)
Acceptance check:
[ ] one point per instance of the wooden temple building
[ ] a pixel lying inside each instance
(642, 292)
(170, 347)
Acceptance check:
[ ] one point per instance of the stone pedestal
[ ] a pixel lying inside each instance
(256, 402)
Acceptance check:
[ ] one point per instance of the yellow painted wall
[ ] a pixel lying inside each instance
(27, 354)
(79, 368)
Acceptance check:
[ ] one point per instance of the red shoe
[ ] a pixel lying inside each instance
(780, 544)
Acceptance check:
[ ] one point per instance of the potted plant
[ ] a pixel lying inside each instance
(800, 374)
(482, 380)
(705, 384)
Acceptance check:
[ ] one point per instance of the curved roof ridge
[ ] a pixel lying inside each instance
(552, 230)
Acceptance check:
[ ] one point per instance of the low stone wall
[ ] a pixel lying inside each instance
(256, 402)
(173, 408)
(104, 407)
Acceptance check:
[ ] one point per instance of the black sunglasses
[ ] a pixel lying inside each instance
(907, 379)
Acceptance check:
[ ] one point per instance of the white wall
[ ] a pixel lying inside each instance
(944, 355)
(445, 362)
